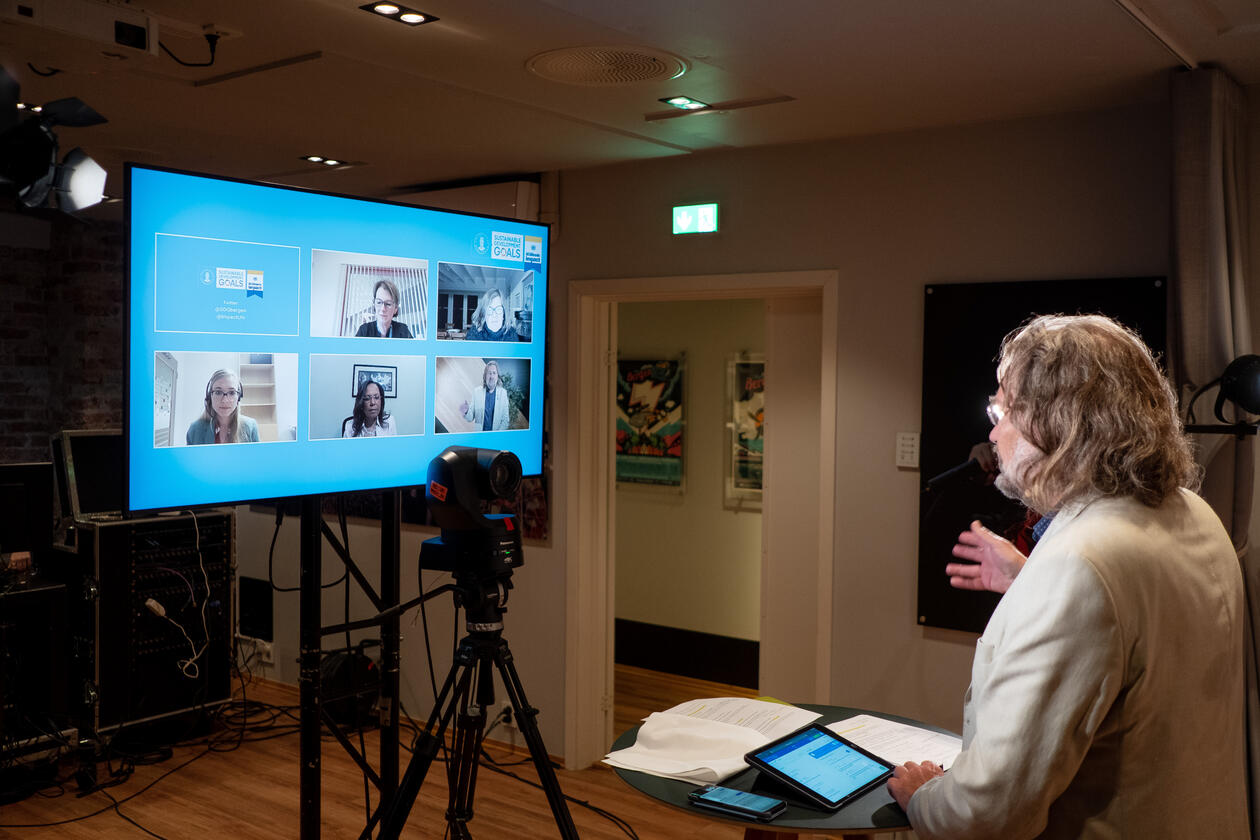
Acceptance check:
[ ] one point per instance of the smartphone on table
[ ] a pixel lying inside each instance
(736, 803)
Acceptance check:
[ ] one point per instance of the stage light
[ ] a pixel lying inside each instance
(28, 161)
(1240, 384)
(80, 182)
(28, 151)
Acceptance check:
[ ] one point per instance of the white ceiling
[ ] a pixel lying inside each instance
(454, 99)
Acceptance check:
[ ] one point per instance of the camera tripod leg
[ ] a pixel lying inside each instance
(461, 772)
(525, 716)
(394, 812)
(457, 700)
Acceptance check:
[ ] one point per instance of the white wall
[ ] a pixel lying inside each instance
(683, 560)
(1080, 195)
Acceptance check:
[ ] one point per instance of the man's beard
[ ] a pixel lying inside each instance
(1012, 475)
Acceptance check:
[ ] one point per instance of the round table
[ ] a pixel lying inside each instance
(873, 812)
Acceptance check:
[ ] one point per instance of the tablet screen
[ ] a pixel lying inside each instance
(821, 763)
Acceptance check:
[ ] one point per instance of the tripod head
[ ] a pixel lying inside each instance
(480, 550)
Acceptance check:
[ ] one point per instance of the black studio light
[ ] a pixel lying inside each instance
(28, 152)
(1240, 385)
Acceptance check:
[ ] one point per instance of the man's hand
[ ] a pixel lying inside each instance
(994, 561)
(909, 777)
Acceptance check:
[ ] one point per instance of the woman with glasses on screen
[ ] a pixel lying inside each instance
(385, 304)
(370, 419)
(222, 421)
(490, 319)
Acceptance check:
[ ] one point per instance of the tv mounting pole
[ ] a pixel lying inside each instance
(309, 617)
(312, 719)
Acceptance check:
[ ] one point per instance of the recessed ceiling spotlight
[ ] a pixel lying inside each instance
(397, 12)
(685, 103)
(324, 160)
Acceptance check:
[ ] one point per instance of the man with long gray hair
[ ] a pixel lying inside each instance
(1106, 693)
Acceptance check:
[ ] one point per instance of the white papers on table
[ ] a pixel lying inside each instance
(704, 741)
(770, 719)
(898, 742)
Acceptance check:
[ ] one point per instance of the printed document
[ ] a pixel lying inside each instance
(704, 741)
(899, 742)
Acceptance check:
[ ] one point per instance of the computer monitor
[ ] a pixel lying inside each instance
(88, 466)
(333, 343)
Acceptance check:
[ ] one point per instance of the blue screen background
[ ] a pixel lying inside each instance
(167, 312)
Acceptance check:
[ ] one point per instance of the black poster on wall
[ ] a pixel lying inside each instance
(963, 325)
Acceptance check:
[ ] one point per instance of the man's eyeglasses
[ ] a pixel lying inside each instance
(219, 393)
(995, 412)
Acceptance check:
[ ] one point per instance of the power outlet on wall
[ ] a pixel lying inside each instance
(506, 732)
(256, 651)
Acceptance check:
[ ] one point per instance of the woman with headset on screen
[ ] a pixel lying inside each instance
(370, 419)
(221, 421)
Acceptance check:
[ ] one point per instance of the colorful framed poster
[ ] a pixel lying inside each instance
(745, 428)
(650, 422)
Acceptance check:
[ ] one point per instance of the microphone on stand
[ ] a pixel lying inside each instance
(952, 473)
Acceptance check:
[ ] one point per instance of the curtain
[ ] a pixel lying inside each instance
(1211, 325)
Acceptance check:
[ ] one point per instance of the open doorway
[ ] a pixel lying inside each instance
(796, 576)
(687, 620)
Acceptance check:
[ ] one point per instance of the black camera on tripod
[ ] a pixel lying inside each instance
(480, 550)
(472, 544)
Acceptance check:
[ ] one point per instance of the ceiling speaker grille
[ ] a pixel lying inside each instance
(606, 65)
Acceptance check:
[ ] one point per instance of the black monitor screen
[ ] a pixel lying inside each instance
(94, 470)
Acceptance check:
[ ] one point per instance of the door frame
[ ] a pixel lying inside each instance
(590, 480)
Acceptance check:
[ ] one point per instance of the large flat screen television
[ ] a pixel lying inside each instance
(283, 342)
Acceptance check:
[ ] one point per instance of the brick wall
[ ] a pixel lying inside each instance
(61, 336)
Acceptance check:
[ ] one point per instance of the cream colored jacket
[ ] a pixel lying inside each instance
(1106, 695)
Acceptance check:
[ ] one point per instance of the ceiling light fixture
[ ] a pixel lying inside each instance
(685, 103)
(399, 13)
(325, 160)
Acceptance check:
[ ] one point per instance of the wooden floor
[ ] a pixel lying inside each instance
(247, 789)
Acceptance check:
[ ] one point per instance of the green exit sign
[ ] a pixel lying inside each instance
(696, 218)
